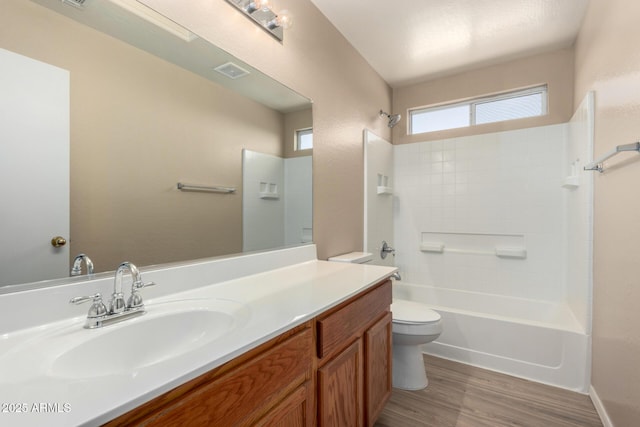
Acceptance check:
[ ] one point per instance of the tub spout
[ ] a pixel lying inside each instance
(396, 276)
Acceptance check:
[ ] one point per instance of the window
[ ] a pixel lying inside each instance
(530, 102)
(304, 139)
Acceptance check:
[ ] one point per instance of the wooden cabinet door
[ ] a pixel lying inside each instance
(340, 385)
(296, 410)
(377, 378)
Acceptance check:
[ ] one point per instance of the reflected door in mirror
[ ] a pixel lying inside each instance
(34, 169)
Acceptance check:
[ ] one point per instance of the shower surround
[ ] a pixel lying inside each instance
(524, 194)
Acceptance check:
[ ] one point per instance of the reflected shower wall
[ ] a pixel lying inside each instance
(276, 200)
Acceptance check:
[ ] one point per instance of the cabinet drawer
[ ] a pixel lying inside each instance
(242, 395)
(340, 327)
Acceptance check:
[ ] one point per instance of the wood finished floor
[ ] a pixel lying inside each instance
(460, 395)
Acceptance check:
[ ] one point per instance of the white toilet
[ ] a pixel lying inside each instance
(414, 324)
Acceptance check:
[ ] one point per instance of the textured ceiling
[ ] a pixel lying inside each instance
(407, 41)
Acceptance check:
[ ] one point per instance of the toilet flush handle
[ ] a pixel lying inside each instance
(386, 249)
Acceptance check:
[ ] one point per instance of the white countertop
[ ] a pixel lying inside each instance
(277, 301)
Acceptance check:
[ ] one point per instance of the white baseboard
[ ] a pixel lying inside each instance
(604, 417)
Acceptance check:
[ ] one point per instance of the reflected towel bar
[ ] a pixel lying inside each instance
(597, 165)
(213, 189)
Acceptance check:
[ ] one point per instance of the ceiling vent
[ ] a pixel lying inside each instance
(231, 70)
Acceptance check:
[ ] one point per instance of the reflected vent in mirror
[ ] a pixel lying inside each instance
(231, 70)
(75, 3)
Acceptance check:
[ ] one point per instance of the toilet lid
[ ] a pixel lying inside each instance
(412, 312)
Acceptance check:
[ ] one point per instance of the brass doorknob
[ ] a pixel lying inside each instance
(58, 241)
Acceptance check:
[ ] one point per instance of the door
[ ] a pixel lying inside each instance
(34, 169)
(340, 383)
(377, 377)
(294, 411)
(378, 190)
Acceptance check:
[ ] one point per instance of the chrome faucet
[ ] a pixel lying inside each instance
(135, 299)
(396, 276)
(99, 316)
(76, 269)
(117, 304)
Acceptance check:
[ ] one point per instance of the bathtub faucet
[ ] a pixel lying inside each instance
(396, 276)
(386, 249)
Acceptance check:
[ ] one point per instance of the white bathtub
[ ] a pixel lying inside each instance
(537, 340)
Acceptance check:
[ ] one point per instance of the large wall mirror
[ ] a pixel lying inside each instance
(149, 105)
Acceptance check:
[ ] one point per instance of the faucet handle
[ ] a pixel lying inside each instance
(386, 249)
(97, 309)
(135, 300)
(140, 284)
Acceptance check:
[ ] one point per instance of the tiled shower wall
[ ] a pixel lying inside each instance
(475, 189)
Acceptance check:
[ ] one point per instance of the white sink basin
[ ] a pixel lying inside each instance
(143, 343)
(166, 331)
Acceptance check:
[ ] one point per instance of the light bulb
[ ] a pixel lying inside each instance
(254, 5)
(263, 4)
(285, 20)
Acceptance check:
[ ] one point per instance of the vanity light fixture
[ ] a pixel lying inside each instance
(155, 18)
(254, 5)
(261, 12)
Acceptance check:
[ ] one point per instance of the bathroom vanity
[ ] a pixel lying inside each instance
(281, 339)
(281, 381)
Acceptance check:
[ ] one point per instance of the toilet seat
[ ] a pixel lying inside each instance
(412, 318)
(409, 312)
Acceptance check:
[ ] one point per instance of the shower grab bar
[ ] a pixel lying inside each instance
(212, 189)
(597, 165)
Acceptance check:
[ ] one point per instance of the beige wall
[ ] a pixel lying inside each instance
(554, 69)
(138, 126)
(608, 62)
(316, 61)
